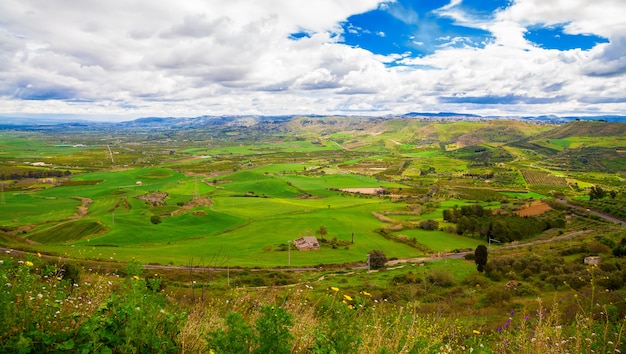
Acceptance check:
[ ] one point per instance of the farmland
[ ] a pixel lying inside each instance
(246, 194)
(175, 224)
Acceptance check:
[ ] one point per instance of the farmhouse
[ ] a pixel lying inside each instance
(592, 260)
(306, 243)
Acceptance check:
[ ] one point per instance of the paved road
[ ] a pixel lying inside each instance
(591, 211)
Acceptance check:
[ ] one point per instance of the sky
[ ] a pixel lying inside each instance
(133, 58)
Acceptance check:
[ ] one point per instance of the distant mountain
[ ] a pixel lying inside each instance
(168, 123)
(440, 115)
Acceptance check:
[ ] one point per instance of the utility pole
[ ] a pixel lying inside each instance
(289, 252)
(492, 239)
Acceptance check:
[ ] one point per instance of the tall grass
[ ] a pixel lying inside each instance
(46, 307)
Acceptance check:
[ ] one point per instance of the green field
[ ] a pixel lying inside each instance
(241, 195)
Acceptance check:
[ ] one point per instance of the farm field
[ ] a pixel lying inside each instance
(243, 197)
(148, 222)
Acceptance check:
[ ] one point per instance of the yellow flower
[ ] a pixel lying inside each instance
(347, 297)
(29, 263)
(350, 307)
(334, 288)
(38, 254)
(366, 293)
(476, 332)
(136, 277)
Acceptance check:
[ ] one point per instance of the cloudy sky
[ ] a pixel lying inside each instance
(124, 58)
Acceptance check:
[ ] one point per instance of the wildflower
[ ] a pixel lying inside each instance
(38, 254)
(350, 307)
(527, 318)
(366, 293)
(334, 288)
(476, 332)
(59, 278)
(499, 329)
(512, 313)
(347, 297)
(29, 263)
(135, 277)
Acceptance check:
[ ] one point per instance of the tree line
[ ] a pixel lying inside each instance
(475, 220)
(23, 174)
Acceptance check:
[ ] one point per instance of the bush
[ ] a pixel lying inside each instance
(237, 338)
(377, 259)
(71, 272)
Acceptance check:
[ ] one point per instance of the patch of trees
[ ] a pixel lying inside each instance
(487, 175)
(429, 225)
(476, 220)
(23, 174)
(596, 192)
(556, 272)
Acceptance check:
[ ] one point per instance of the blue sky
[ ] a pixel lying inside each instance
(368, 57)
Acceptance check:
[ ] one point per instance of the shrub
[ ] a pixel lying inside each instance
(273, 328)
(237, 338)
(71, 272)
(377, 259)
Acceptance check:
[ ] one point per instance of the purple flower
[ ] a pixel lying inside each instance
(499, 329)
(512, 313)
(506, 342)
(506, 325)
(527, 318)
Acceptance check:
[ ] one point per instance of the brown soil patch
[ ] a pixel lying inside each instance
(536, 208)
(195, 202)
(382, 218)
(82, 209)
(154, 198)
(372, 191)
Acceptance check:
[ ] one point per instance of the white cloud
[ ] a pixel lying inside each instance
(222, 57)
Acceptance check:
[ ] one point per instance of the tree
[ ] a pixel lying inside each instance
(321, 232)
(377, 259)
(155, 219)
(480, 257)
(596, 192)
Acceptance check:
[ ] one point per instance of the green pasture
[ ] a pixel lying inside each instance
(437, 212)
(441, 164)
(68, 231)
(442, 241)
(31, 208)
(527, 195)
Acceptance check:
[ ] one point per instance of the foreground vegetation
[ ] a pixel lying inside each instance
(436, 307)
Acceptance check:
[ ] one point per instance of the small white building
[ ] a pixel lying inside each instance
(306, 243)
(592, 260)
